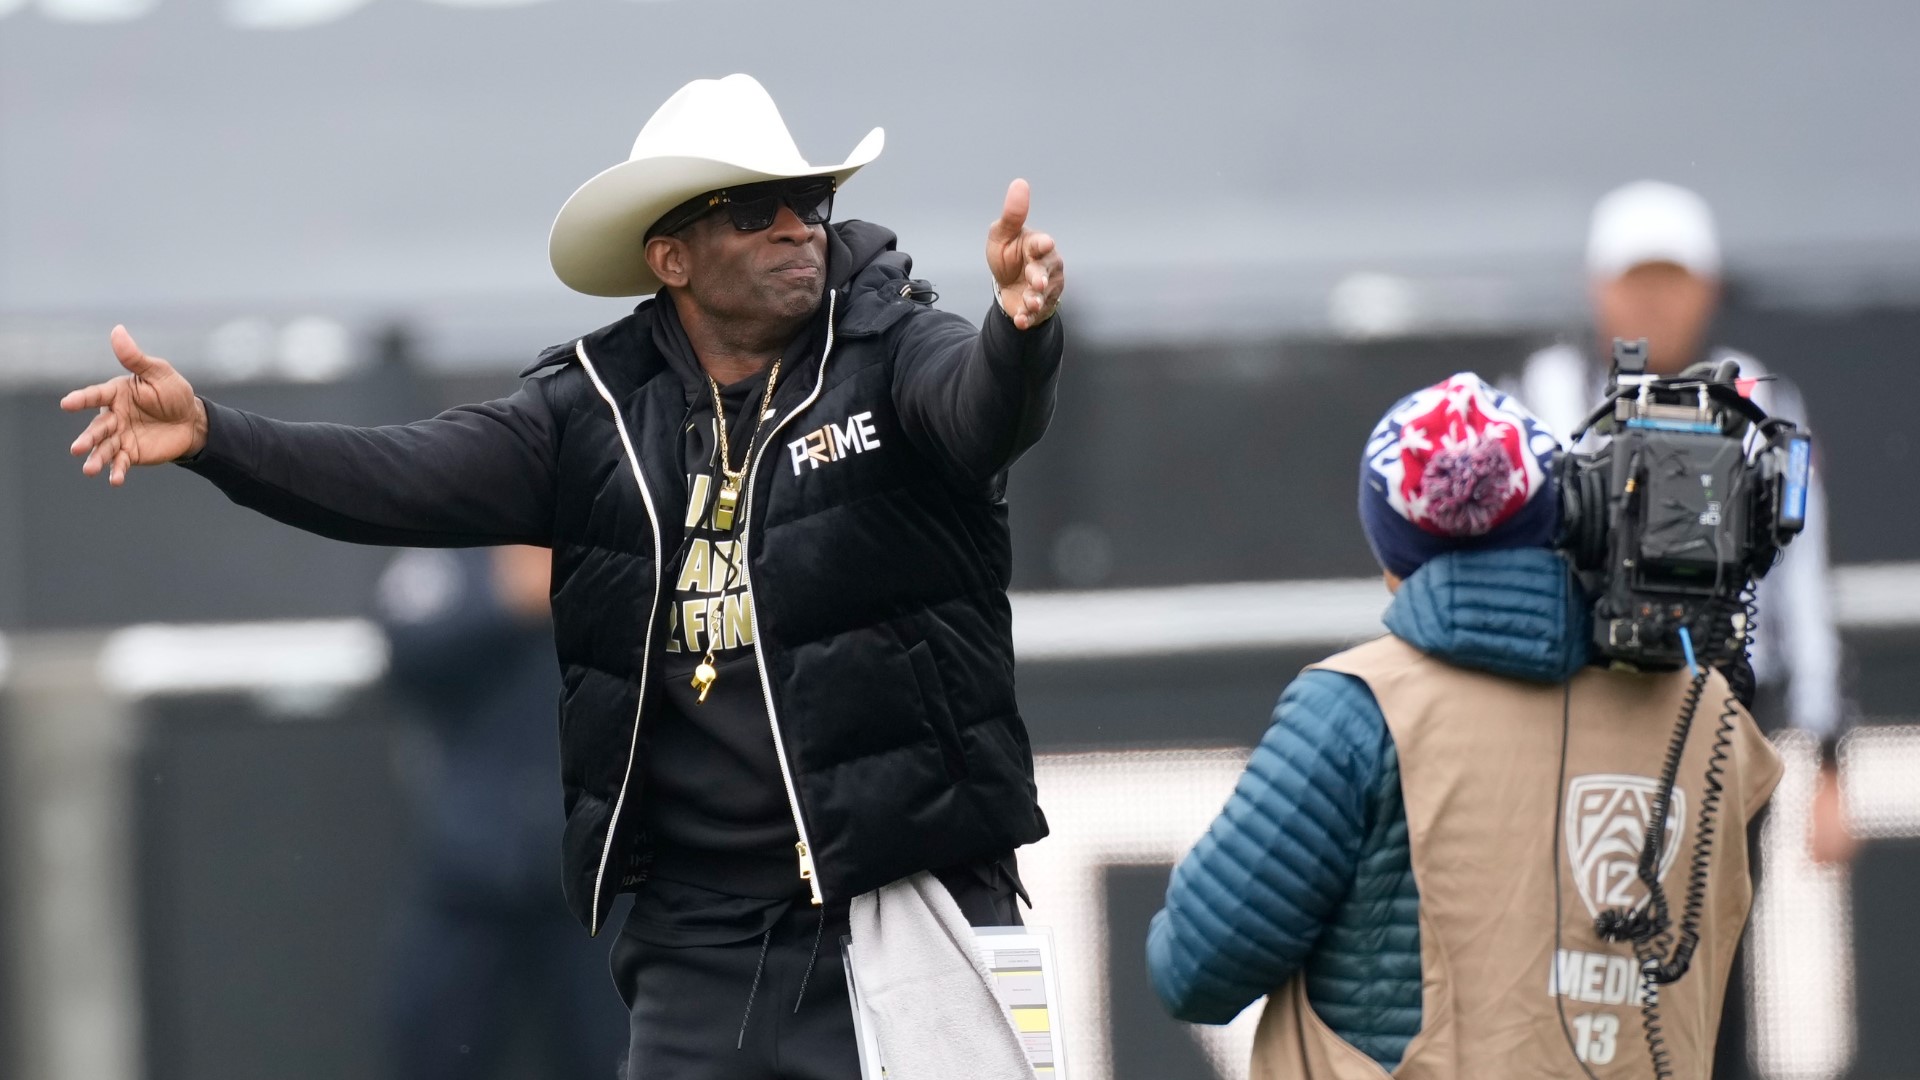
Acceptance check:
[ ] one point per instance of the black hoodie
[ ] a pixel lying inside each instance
(716, 811)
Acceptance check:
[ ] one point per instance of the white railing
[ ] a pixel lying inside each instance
(175, 659)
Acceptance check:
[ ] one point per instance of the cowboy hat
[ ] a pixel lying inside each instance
(710, 134)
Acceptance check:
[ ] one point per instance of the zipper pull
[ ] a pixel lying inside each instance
(806, 871)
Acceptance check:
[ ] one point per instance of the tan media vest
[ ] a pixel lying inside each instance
(1479, 755)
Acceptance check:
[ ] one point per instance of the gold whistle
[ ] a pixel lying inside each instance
(704, 676)
(724, 504)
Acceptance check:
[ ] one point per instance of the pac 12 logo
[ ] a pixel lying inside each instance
(1607, 819)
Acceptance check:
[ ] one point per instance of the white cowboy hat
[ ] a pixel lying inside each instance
(710, 134)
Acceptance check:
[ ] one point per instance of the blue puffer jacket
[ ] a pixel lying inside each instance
(1307, 869)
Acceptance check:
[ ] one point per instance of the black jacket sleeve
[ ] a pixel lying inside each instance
(474, 475)
(975, 400)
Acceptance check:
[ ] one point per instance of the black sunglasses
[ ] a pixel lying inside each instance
(753, 207)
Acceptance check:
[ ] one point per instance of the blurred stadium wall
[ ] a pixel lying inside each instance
(1277, 217)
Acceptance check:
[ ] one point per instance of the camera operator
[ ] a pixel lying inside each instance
(1653, 264)
(1417, 862)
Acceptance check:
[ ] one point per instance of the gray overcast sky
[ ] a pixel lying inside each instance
(1202, 164)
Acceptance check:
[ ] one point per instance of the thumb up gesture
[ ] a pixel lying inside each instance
(1027, 271)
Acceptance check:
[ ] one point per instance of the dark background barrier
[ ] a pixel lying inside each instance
(270, 860)
(1886, 954)
(276, 853)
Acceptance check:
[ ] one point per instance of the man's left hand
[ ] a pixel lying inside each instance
(1026, 265)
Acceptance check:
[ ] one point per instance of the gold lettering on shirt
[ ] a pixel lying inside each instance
(697, 499)
(738, 628)
(693, 572)
(720, 574)
(693, 624)
(712, 608)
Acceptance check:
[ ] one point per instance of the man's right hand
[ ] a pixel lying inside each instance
(149, 416)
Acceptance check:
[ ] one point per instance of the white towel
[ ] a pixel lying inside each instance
(920, 974)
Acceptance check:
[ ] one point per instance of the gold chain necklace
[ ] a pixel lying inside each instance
(728, 499)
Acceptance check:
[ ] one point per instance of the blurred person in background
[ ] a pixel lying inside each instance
(1390, 870)
(775, 495)
(1654, 271)
(486, 955)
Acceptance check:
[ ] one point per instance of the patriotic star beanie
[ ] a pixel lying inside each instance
(1457, 466)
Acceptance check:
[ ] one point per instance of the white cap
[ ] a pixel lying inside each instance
(1648, 221)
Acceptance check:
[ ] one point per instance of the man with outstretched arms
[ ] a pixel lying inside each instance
(774, 494)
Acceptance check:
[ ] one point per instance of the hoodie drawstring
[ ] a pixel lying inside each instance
(765, 940)
(817, 934)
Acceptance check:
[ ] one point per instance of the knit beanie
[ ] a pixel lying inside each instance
(1457, 466)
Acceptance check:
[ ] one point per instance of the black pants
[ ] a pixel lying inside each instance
(773, 1007)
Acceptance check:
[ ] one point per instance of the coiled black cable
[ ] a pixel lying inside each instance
(1650, 928)
(1711, 789)
(1649, 925)
(1650, 1024)
(1649, 950)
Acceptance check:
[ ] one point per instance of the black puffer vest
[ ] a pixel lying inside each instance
(879, 598)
